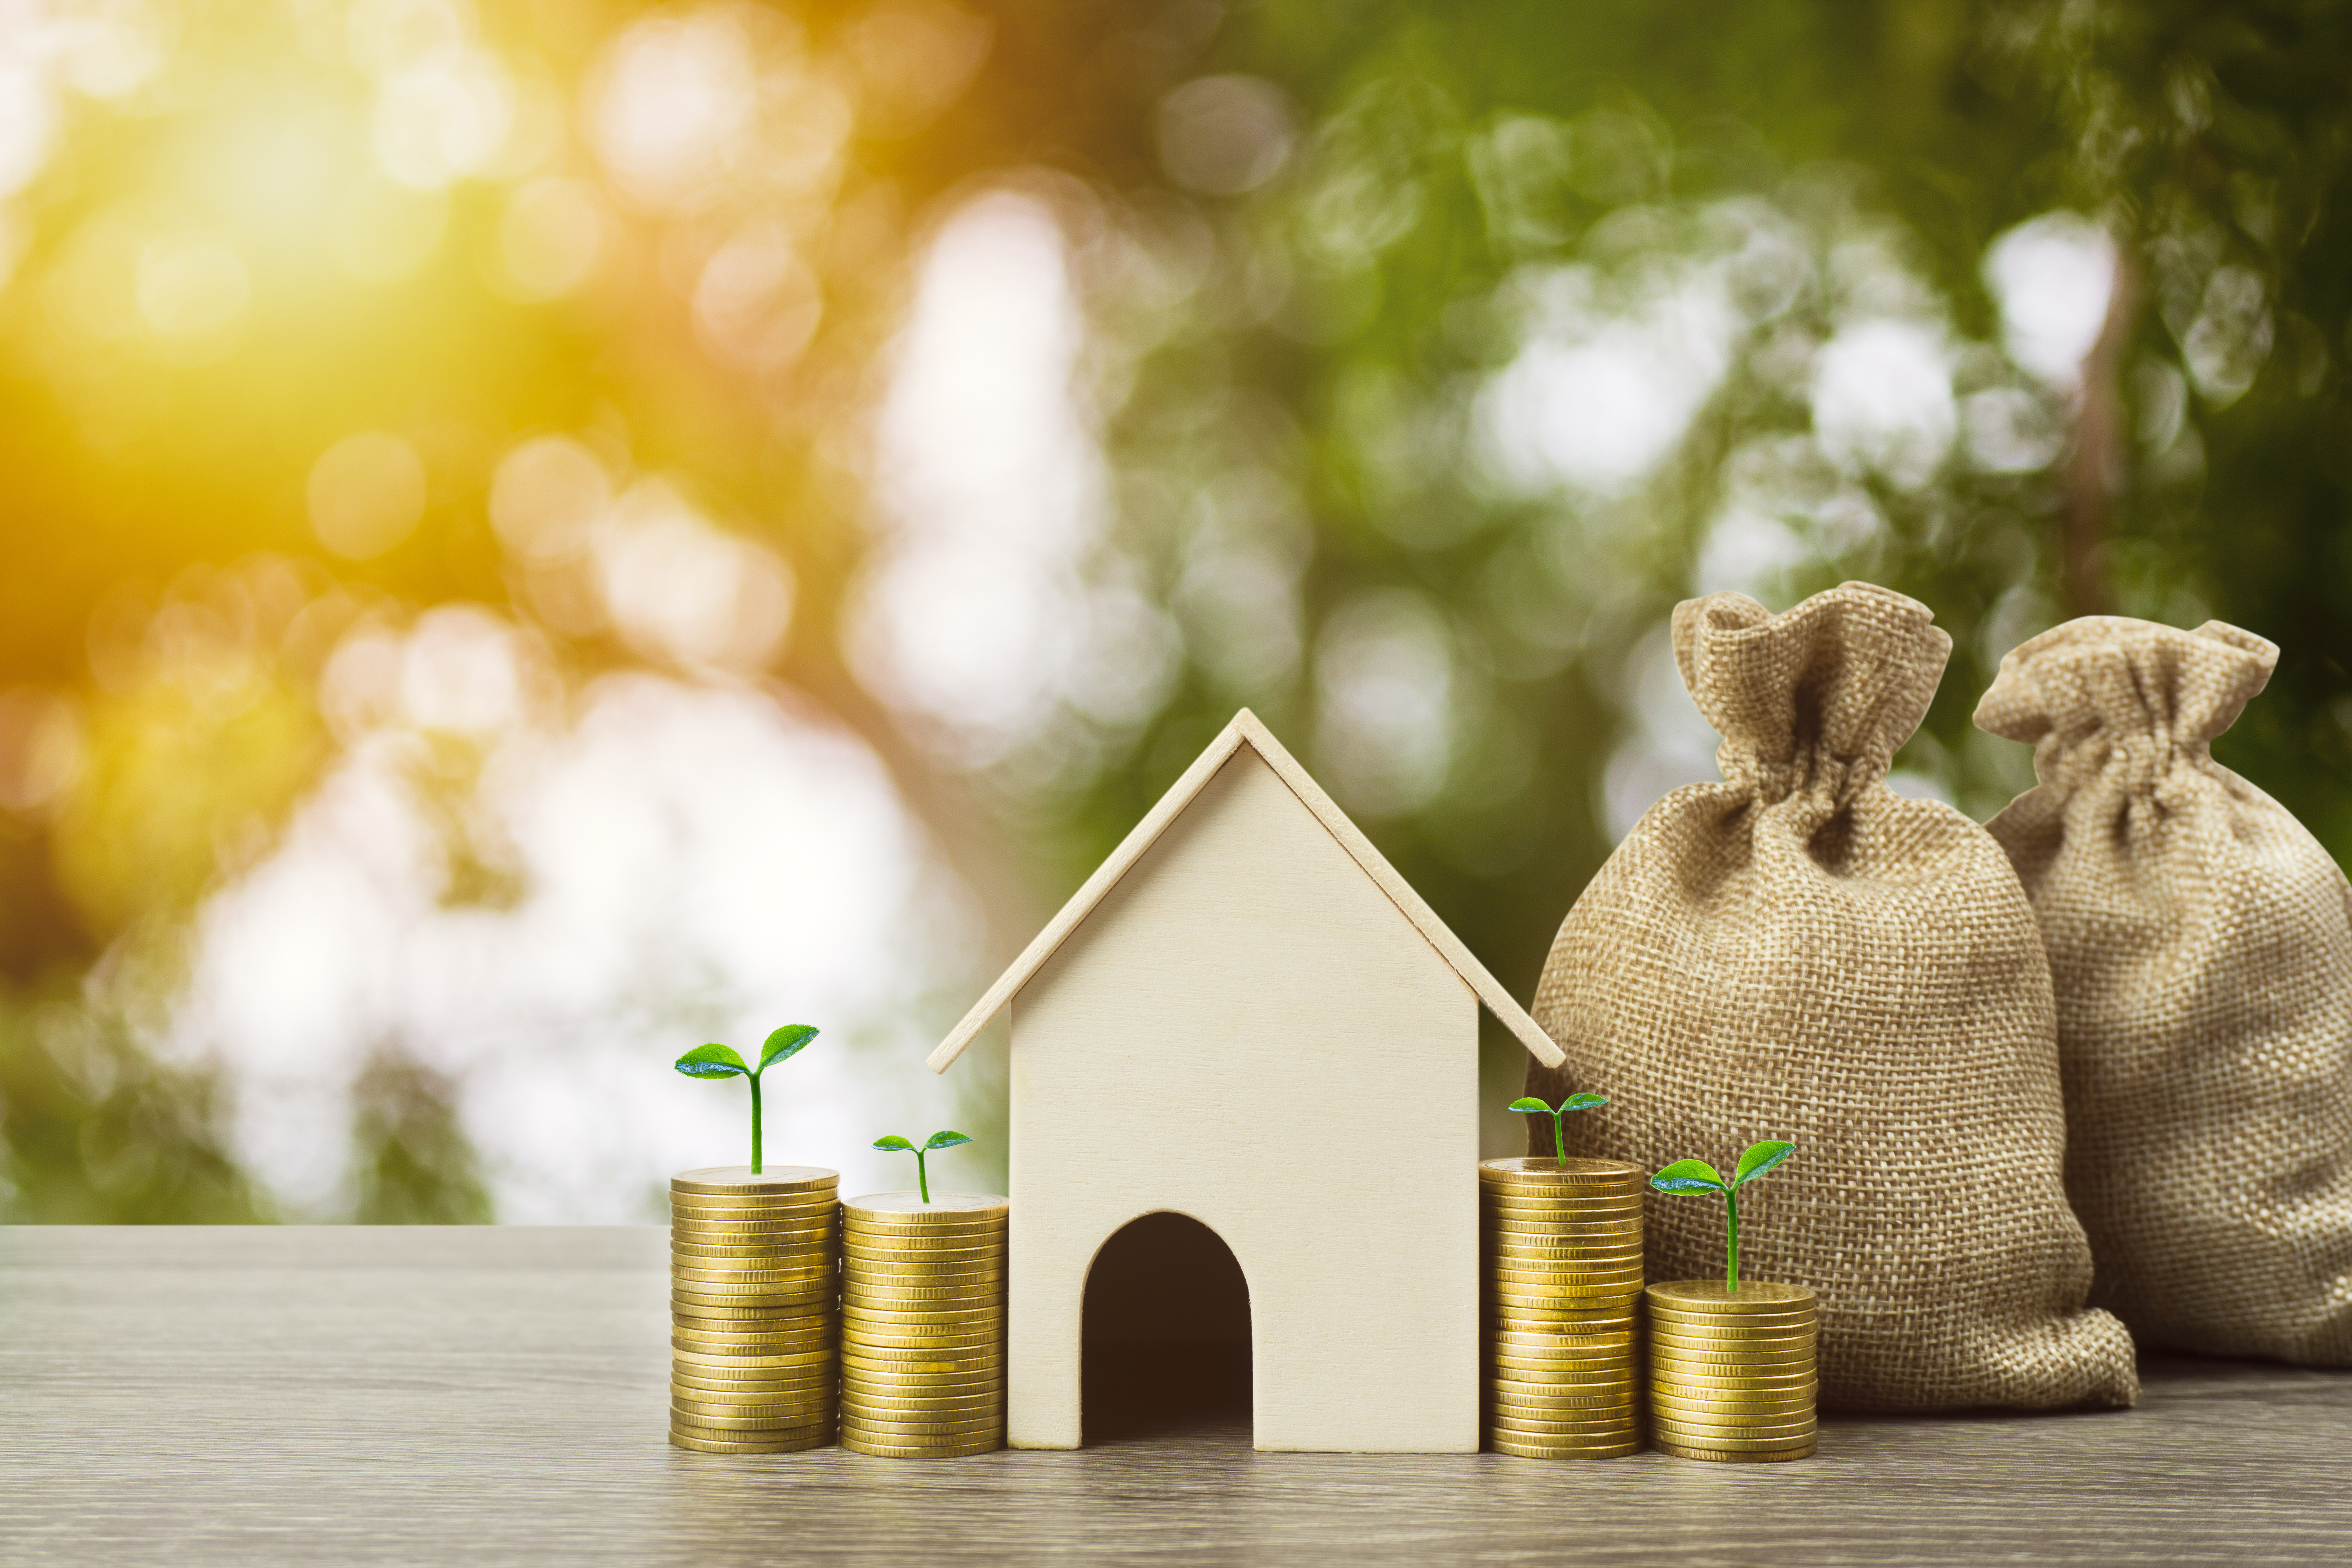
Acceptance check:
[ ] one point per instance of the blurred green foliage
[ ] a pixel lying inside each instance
(1305, 398)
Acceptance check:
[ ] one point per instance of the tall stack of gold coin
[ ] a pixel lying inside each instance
(754, 1308)
(1734, 1377)
(1563, 1278)
(922, 1351)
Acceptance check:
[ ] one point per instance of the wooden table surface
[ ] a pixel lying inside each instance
(496, 1396)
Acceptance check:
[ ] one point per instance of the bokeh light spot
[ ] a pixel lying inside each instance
(366, 494)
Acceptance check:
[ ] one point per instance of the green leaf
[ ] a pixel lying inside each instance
(711, 1061)
(894, 1143)
(1527, 1103)
(786, 1043)
(945, 1141)
(1584, 1101)
(1760, 1158)
(1687, 1177)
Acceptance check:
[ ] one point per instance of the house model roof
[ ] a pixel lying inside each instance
(1247, 731)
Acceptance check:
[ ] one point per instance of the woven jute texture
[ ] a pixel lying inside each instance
(2202, 951)
(1799, 952)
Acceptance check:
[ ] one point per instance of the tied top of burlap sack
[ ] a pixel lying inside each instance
(2109, 694)
(1818, 700)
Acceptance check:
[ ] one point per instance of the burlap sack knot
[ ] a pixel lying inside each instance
(1800, 952)
(2203, 950)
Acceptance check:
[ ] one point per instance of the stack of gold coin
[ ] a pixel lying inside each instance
(754, 1308)
(1733, 1376)
(1563, 1278)
(922, 1333)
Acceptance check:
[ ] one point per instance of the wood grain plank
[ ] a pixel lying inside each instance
(495, 1397)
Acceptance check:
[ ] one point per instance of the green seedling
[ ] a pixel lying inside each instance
(1688, 1178)
(1529, 1105)
(937, 1141)
(720, 1061)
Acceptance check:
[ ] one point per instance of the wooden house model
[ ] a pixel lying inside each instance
(1246, 1016)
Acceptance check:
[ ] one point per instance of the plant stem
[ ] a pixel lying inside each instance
(922, 1176)
(1559, 1135)
(1731, 1219)
(755, 1123)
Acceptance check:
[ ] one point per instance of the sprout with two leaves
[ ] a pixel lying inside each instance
(720, 1061)
(1689, 1178)
(935, 1141)
(1529, 1105)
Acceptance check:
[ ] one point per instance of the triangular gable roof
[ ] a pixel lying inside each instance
(1247, 731)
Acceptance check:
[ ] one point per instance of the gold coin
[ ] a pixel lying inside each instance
(1684, 1430)
(1755, 1348)
(929, 1387)
(888, 1275)
(1728, 1391)
(1719, 1456)
(813, 1283)
(979, 1300)
(1793, 1375)
(1608, 1393)
(1580, 1379)
(896, 1284)
(777, 1360)
(1705, 1408)
(724, 1393)
(1537, 1368)
(1601, 1320)
(1732, 1360)
(753, 1222)
(1617, 1428)
(903, 1242)
(963, 1260)
(910, 1208)
(1549, 1214)
(986, 1444)
(921, 1318)
(917, 1287)
(1551, 1166)
(916, 1343)
(733, 1179)
(867, 1350)
(1737, 1322)
(884, 1370)
(1687, 1438)
(1735, 1335)
(728, 1207)
(818, 1219)
(896, 1407)
(1801, 1406)
(810, 1307)
(906, 1425)
(695, 1420)
(1584, 1281)
(1523, 1447)
(1569, 1371)
(1683, 1336)
(792, 1445)
(685, 1337)
(756, 1272)
(1710, 1295)
(1562, 1347)
(1565, 1408)
(1568, 1338)
(1551, 1251)
(741, 1317)
(818, 1410)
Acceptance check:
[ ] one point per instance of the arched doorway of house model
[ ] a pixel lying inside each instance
(1166, 1343)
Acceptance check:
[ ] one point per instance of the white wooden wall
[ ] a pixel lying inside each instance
(1248, 1031)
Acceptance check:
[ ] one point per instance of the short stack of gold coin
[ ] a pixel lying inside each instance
(1733, 1376)
(1563, 1244)
(922, 1352)
(754, 1308)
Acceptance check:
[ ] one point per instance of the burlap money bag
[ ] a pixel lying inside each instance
(2202, 951)
(1800, 952)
